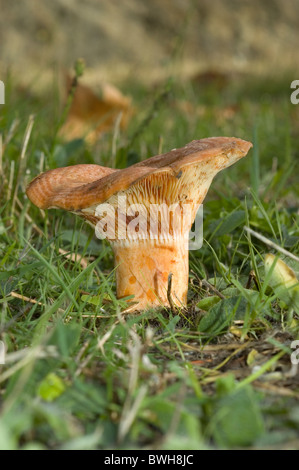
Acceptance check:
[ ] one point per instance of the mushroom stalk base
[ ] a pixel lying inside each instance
(143, 268)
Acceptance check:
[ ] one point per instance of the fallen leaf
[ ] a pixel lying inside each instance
(283, 281)
(75, 257)
(91, 115)
(234, 330)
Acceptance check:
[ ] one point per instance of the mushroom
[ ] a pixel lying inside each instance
(141, 210)
(90, 115)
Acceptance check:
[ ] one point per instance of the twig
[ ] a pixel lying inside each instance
(169, 297)
(270, 243)
(75, 257)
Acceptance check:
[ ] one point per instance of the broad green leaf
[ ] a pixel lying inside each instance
(223, 313)
(86, 399)
(237, 419)
(92, 299)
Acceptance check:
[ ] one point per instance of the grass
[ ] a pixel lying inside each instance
(78, 374)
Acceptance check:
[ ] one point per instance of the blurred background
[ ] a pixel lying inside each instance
(147, 40)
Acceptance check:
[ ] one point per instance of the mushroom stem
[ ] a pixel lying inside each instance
(142, 270)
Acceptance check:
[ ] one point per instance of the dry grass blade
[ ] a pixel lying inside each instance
(10, 133)
(23, 297)
(275, 390)
(22, 162)
(131, 405)
(129, 414)
(11, 177)
(75, 257)
(227, 359)
(40, 352)
(25, 357)
(271, 244)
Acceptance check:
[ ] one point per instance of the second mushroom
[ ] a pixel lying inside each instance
(146, 212)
